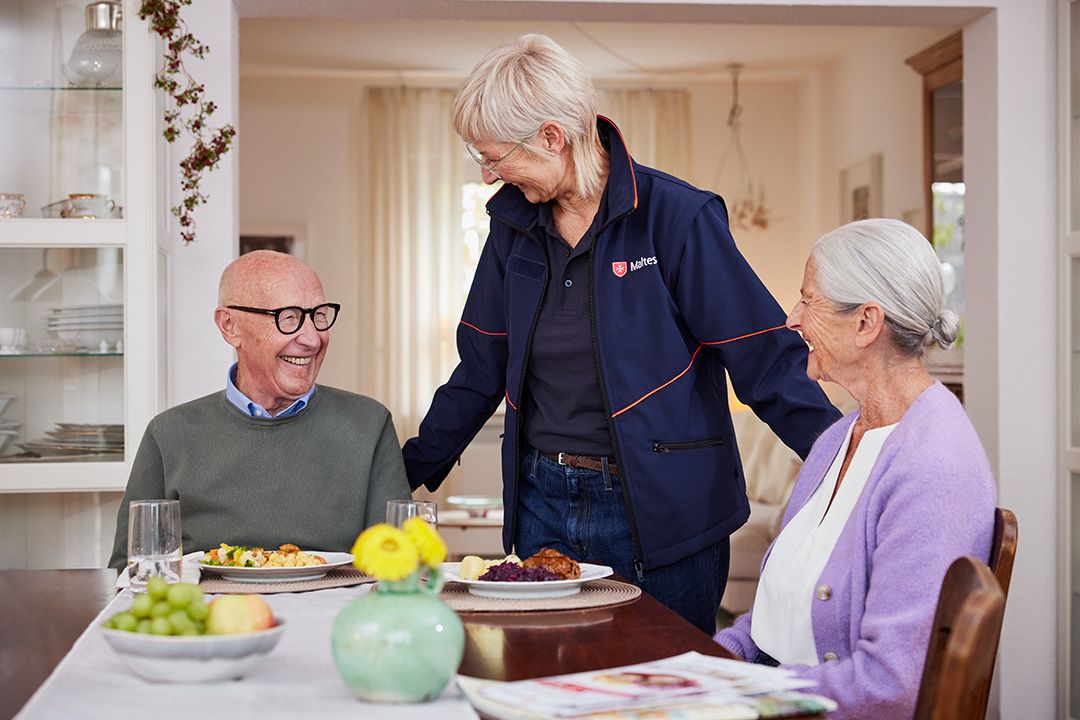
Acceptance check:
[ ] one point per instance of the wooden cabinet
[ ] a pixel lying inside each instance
(942, 68)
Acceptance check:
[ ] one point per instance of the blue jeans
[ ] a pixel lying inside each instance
(581, 514)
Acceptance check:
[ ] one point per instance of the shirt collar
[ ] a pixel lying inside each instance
(249, 407)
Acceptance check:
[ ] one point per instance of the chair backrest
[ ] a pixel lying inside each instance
(1002, 553)
(960, 657)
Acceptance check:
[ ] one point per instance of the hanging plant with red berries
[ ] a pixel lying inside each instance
(188, 108)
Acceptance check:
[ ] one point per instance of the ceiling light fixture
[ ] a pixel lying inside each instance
(748, 210)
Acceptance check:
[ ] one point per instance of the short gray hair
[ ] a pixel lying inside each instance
(519, 86)
(890, 263)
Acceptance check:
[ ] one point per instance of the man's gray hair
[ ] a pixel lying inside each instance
(890, 263)
(519, 86)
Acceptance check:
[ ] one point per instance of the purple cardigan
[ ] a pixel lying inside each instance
(929, 499)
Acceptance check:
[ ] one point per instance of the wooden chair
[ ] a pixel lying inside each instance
(1002, 553)
(960, 656)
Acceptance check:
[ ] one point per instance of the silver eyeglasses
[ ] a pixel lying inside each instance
(490, 166)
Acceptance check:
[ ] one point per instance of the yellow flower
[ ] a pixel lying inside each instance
(385, 553)
(431, 547)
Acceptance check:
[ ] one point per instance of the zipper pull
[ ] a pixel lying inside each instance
(640, 569)
(660, 448)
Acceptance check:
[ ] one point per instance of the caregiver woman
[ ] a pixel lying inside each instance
(608, 307)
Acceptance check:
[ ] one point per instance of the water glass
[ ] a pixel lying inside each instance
(154, 541)
(398, 511)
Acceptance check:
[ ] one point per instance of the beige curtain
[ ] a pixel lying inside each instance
(413, 292)
(655, 124)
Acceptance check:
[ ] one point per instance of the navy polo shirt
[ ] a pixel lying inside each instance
(566, 411)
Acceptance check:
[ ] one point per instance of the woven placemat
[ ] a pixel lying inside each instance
(337, 577)
(597, 593)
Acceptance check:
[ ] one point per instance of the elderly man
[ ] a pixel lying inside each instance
(273, 458)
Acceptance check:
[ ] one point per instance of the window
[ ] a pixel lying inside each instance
(475, 225)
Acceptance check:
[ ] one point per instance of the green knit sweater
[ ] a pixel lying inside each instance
(315, 479)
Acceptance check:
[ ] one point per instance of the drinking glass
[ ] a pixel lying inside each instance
(398, 511)
(154, 544)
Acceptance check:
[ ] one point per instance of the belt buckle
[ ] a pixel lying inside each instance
(561, 461)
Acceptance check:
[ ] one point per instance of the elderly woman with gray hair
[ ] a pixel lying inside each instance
(889, 496)
(608, 308)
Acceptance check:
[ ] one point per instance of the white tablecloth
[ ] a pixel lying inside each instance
(297, 680)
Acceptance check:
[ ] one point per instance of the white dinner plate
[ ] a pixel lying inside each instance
(279, 574)
(527, 590)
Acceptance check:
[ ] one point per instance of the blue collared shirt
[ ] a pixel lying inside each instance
(254, 409)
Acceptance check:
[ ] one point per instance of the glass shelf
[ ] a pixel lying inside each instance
(52, 88)
(85, 353)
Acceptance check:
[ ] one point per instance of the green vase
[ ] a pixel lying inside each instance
(398, 643)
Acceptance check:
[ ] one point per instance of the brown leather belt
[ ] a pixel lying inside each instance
(588, 462)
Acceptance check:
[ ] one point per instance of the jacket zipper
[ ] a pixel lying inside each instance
(639, 566)
(662, 446)
(524, 371)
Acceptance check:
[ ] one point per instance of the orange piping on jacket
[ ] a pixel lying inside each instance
(692, 358)
(482, 332)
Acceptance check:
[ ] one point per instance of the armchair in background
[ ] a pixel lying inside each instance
(770, 468)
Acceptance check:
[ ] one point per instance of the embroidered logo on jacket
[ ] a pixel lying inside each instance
(622, 267)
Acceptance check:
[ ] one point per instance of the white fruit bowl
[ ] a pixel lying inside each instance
(194, 658)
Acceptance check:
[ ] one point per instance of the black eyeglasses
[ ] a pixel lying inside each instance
(290, 319)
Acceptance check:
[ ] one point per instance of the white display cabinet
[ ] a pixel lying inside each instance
(82, 267)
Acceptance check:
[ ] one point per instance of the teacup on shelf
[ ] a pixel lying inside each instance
(12, 205)
(82, 206)
(12, 340)
(88, 206)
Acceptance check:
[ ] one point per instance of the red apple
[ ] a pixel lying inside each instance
(233, 614)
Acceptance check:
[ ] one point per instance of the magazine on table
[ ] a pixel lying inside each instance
(690, 686)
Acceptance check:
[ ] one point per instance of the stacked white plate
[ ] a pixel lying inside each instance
(87, 325)
(9, 429)
(78, 439)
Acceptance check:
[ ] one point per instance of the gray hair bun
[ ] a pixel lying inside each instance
(944, 331)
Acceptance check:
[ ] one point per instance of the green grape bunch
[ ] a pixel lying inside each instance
(164, 609)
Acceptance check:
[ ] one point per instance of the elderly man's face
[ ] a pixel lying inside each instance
(275, 369)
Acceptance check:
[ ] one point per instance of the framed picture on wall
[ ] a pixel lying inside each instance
(286, 238)
(860, 190)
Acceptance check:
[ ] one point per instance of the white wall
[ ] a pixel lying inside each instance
(301, 170)
(197, 356)
(872, 103)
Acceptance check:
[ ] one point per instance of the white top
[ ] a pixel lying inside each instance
(781, 625)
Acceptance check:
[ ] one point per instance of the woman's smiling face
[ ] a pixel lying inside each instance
(827, 331)
(540, 175)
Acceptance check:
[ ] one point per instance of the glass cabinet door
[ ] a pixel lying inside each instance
(61, 110)
(61, 354)
(62, 234)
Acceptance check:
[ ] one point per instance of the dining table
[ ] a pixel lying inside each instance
(45, 611)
